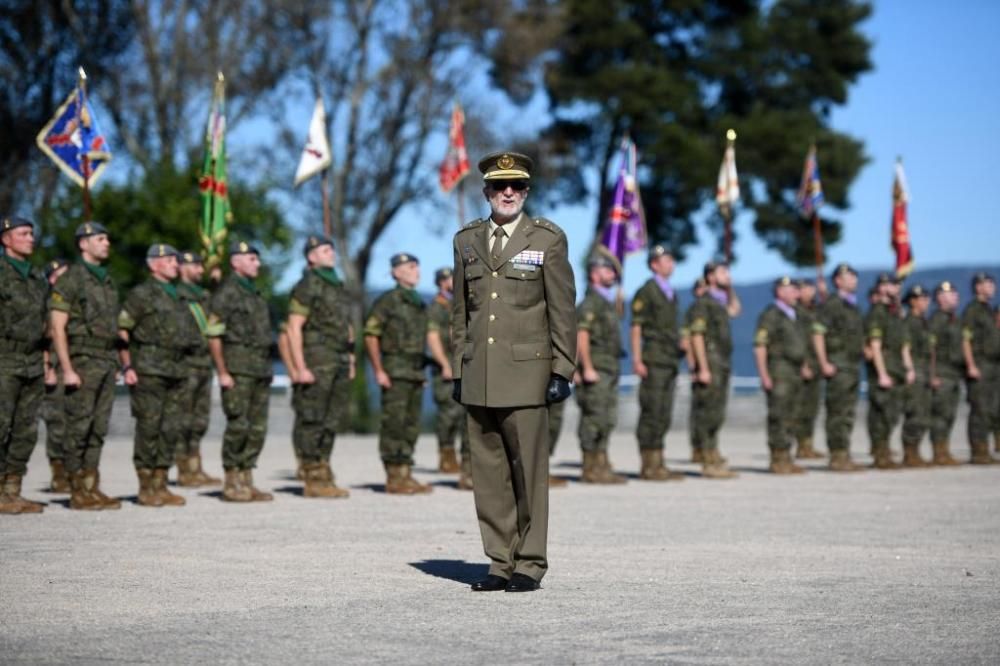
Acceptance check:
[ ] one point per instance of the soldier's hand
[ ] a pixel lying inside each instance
(382, 378)
(829, 370)
(766, 383)
(131, 379)
(558, 389)
(884, 381)
(973, 372)
(71, 380)
(51, 376)
(305, 376)
(640, 369)
(806, 372)
(911, 376)
(456, 390)
(590, 376)
(352, 371)
(446, 373)
(704, 376)
(935, 382)
(226, 381)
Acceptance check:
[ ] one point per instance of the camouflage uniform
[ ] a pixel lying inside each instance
(685, 338)
(807, 403)
(917, 396)
(53, 413)
(599, 401)
(979, 328)
(556, 410)
(839, 323)
(399, 320)
(710, 320)
(785, 341)
(450, 414)
(197, 401)
(239, 316)
(656, 313)
(949, 368)
(885, 405)
(322, 408)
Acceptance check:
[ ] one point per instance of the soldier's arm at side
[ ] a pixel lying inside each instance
(293, 332)
(458, 310)
(437, 351)
(635, 338)
(560, 301)
(60, 341)
(760, 354)
(734, 308)
(908, 363)
(583, 356)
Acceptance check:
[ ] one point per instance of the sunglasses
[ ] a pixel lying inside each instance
(501, 185)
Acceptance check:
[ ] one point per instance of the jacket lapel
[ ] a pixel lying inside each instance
(518, 242)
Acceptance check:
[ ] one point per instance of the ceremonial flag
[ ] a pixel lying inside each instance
(456, 160)
(72, 135)
(900, 233)
(316, 155)
(625, 230)
(810, 196)
(727, 192)
(215, 213)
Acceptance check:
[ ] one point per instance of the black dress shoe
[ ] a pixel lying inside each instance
(490, 584)
(521, 583)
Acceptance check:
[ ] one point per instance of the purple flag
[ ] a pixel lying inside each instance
(625, 230)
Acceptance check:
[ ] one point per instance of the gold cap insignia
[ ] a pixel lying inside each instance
(505, 161)
(87, 229)
(244, 247)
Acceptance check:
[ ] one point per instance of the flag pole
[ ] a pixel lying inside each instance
(327, 225)
(727, 210)
(460, 193)
(80, 101)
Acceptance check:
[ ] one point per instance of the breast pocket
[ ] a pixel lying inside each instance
(523, 285)
(474, 286)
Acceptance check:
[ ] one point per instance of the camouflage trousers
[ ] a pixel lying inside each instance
(20, 400)
(451, 420)
(322, 409)
(708, 408)
(885, 407)
(400, 421)
(245, 406)
(984, 403)
(916, 410)
(53, 412)
(556, 410)
(807, 407)
(197, 409)
(782, 413)
(598, 411)
(944, 409)
(88, 412)
(656, 406)
(841, 406)
(158, 408)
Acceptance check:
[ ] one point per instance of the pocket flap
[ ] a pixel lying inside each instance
(474, 271)
(522, 271)
(531, 351)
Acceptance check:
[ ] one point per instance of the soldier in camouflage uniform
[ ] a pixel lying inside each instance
(159, 333)
(321, 342)
(395, 336)
(917, 394)
(780, 353)
(981, 349)
(599, 348)
(711, 340)
(555, 410)
(239, 330)
(807, 404)
(655, 355)
(83, 309)
(450, 414)
(22, 383)
(888, 372)
(198, 390)
(697, 290)
(838, 337)
(53, 410)
(947, 368)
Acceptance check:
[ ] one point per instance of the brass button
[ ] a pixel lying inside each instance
(492, 317)
(522, 274)
(494, 273)
(538, 354)
(493, 295)
(489, 340)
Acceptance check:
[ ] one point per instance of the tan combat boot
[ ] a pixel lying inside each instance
(12, 490)
(418, 488)
(713, 466)
(92, 482)
(607, 471)
(60, 480)
(653, 468)
(8, 505)
(805, 450)
(233, 489)
(395, 481)
(147, 493)
(981, 454)
(331, 481)
(781, 463)
(697, 456)
(318, 485)
(589, 471)
(186, 477)
(911, 456)
(162, 491)
(256, 494)
(81, 499)
(942, 455)
(882, 455)
(840, 461)
(203, 478)
(465, 475)
(449, 462)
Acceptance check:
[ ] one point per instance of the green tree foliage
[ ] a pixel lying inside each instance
(676, 75)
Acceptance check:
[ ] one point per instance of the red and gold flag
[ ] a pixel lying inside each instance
(456, 160)
(900, 234)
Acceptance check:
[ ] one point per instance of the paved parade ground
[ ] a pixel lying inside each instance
(874, 567)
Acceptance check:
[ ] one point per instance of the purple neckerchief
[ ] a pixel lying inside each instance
(719, 295)
(447, 295)
(849, 298)
(610, 294)
(665, 287)
(787, 309)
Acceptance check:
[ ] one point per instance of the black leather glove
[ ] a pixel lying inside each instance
(456, 390)
(558, 389)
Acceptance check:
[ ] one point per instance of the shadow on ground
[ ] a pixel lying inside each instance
(459, 571)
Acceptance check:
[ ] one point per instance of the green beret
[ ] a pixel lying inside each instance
(843, 269)
(13, 222)
(916, 291)
(402, 258)
(313, 242)
(658, 251)
(441, 274)
(90, 229)
(189, 258)
(157, 250)
(54, 265)
(242, 247)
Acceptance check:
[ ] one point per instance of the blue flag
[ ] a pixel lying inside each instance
(74, 141)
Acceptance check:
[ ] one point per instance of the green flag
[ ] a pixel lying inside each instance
(215, 213)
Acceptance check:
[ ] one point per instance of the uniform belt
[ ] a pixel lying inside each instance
(173, 353)
(19, 346)
(313, 338)
(92, 344)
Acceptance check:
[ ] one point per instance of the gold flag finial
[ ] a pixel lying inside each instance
(221, 77)
(82, 74)
(731, 134)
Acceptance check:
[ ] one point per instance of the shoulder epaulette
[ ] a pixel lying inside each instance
(549, 225)
(473, 224)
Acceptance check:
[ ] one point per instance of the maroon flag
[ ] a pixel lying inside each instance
(456, 160)
(900, 233)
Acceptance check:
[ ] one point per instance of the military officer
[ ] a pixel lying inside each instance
(711, 341)
(22, 382)
(395, 338)
(450, 414)
(159, 333)
(239, 330)
(697, 291)
(916, 394)
(981, 350)
(321, 342)
(198, 391)
(514, 349)
(807, 404)
(838, 337)
(780, 354)
(83, 309)
(947, 368)
(53, 410)
(888, 371)
(598, 349)
(655, 341)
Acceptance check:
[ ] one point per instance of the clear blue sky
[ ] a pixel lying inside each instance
(933, 98)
